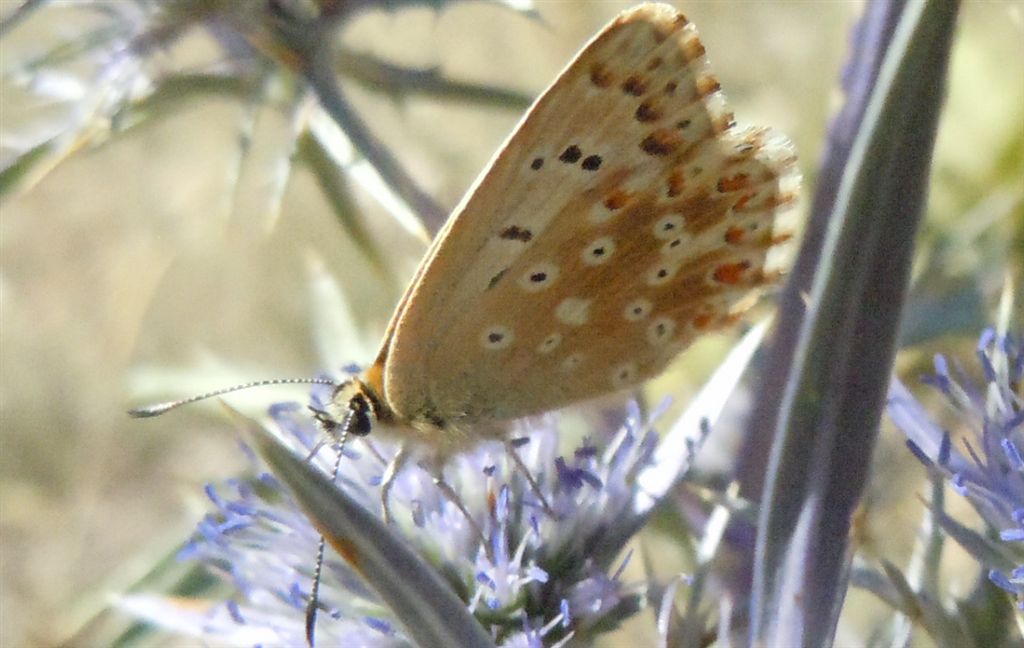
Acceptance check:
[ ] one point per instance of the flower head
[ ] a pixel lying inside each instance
(525, 574)
(989, 470)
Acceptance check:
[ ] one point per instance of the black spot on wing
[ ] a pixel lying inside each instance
(516, 233)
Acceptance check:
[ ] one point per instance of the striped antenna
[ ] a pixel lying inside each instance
(313, 605)
(160, 408)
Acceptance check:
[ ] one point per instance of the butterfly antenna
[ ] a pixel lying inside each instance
(161, 408)
(314, 593)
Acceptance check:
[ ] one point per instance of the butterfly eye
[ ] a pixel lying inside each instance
(599, 251)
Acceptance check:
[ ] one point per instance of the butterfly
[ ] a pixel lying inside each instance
(626, 215)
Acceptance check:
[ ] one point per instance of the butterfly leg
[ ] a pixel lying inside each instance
(452, 496)
(388, 480)
(510, 449)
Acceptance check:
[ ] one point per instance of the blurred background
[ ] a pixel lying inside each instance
(189, 251)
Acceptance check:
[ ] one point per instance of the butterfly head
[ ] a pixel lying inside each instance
(353, 409)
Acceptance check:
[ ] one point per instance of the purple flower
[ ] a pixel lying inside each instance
(986, 467)
(529, 577)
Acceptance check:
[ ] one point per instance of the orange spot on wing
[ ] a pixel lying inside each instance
(772, 202)
(734, 183)
(702, 321)
(701, 211)
(617, 199)
(723, 123)
(693, 49)
(707, 85)
(734, 235)
(663, 31)
(676, 181)
(730, 319)
(660, 142)
(731, 273)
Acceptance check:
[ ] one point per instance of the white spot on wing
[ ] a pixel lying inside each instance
(600, 214)
(660, 330)
(539, 277)
(623, 375)
(598, 251)
(668, 226)
(661, 273)
(574, 311)
(637, 309)
(572, 361)
(550, 343)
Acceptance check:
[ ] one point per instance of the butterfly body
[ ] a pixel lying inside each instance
(626, 215)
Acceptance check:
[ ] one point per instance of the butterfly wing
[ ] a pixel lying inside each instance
(624, 216)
